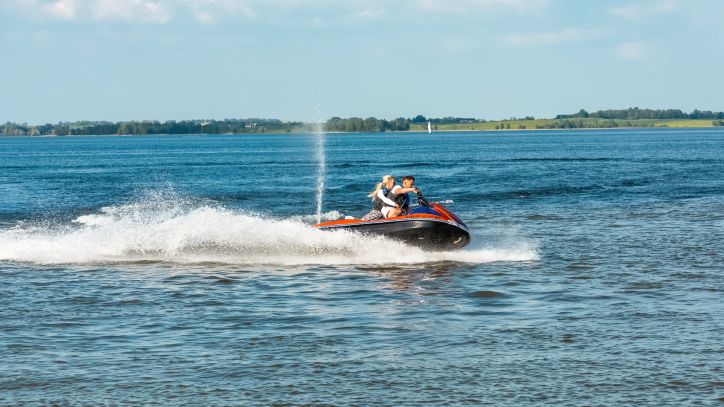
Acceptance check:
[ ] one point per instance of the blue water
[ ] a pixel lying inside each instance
(183, 270)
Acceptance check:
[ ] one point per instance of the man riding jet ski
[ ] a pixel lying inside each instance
(430, 225)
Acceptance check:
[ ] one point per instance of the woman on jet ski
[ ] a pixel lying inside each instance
(389, 199)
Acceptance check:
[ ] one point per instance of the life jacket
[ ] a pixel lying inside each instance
(378, 202)
(401, 199)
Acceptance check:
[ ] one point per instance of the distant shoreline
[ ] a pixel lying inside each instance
(564, 124)
(606, 119)
(411, 131)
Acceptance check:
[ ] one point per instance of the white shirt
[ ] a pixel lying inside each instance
(386, 200)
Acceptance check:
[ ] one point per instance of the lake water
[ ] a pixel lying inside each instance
(183, 270)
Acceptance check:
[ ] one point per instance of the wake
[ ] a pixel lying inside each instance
(163, 228)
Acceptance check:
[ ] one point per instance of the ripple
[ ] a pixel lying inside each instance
(487, 294)
(592, 283)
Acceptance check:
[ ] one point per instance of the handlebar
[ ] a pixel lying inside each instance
(421, 199)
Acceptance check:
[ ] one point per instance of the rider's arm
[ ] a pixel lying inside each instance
(388, 201)
(401, 190)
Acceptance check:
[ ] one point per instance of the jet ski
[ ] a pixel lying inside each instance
(430, 226)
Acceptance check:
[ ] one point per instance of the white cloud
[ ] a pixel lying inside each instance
(63, 9)
(631, 50)
(208, 11)
(465, 6)
(641, 10)
(139, 11)
(631, 12)
(130, 10)
(550, 38)
(371, 14)
(666, 5)
(143, 11)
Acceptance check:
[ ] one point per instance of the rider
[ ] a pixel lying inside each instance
(380, 196)
(392, 200)
(401, 197)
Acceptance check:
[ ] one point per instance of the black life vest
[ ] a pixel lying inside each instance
(401, 199)
(379, 203)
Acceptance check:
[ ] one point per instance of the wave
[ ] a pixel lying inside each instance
(566, 159)
(562, 189)
(166, 228)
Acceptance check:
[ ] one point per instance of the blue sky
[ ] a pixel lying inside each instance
(313, 59)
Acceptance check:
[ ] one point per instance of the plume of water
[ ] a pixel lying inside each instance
(321, 167)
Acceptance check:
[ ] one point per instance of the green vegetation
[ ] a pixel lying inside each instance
(370, 124)
(632, 117)
(233, 126)
(634, 113)
(522, 124)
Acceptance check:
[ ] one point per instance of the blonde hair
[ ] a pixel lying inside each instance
(380, 186)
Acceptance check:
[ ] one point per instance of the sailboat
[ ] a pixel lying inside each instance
(429, 128)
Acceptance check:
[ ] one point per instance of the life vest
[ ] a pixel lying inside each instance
(378, 202)
(401, 199)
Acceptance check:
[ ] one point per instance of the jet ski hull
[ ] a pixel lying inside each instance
(437, 229)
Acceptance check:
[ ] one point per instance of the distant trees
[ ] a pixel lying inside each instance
(152, 127)
(420, 119)
(61, 129)
(635, 113)
(454, 120)
(632, 117)
(581, 124)
(705, 114)
(370, 124)
(12, 129)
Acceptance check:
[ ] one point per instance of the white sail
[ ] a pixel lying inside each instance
(429, 128)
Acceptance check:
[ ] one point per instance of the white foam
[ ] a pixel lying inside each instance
(172, 230)
(326, 216)
(93, 220)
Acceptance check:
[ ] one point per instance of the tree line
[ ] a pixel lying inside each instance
(582, 119)
(370, 124)
(420, 119)
(635, 113)
(234, 126)
(590, 124)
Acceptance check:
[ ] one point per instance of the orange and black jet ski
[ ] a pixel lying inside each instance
(430, 226)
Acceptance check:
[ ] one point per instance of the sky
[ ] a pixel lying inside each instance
(308, 60)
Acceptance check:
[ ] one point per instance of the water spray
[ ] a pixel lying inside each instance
(321, 168)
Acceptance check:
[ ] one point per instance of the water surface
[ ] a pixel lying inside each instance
(183, 270)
